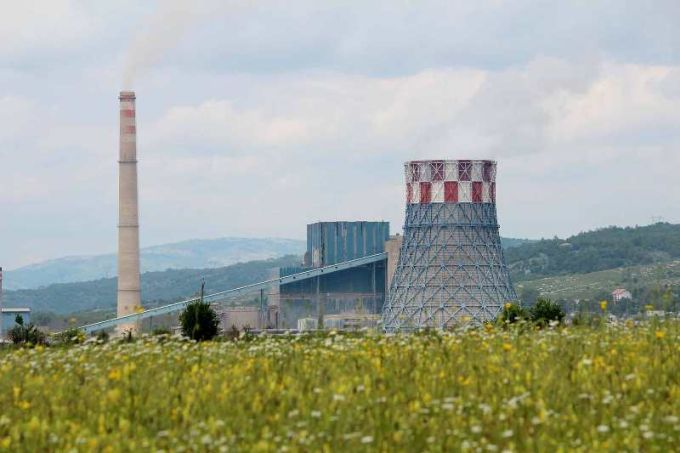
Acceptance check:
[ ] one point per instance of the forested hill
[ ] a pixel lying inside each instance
(603, 249)
(166, 286)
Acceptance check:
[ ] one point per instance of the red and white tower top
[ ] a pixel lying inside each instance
(450, 181)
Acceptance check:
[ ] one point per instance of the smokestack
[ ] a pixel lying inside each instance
(129, 291)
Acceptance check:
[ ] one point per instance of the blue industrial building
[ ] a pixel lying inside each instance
(357, 290)
(9, 318)
(336, 242)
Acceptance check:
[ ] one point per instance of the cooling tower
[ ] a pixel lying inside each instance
(129, 294)
(451, 267)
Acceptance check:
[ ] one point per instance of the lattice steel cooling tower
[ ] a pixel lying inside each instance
(451, 267)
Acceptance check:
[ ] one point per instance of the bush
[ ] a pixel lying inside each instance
(161, 331)
(199, 321)
(233, 333)
(586, 319)
(512, 313)
(127, 336)
(546, 311)
(29, 335)
(70, 336)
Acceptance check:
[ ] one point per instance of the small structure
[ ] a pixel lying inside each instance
(655, 313)
(9, 318)
(241, 318)
(620, 294)
(306, 324)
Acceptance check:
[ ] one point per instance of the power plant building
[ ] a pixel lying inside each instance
(451, 266)
(360, 290)
(335, 242)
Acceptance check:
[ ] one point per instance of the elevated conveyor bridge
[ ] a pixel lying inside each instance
(223, 296)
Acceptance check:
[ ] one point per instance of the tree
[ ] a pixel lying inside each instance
(546, 311)
(70, 337)
(199, 321)
(30, 334)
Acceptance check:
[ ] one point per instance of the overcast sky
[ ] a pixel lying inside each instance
(258, 117)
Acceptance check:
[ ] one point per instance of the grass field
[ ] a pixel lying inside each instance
(615, 388)
(586, 286)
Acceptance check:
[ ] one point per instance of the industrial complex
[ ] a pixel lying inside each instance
(447, 268)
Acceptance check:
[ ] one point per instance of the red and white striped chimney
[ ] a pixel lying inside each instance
(129, 290)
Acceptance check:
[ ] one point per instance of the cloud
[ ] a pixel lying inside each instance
(218, 126)
(255, 118)
(33, 25)
(553, 124)
(332, 113)
(388, 37)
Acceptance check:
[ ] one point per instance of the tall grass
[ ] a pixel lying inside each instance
(576, 389)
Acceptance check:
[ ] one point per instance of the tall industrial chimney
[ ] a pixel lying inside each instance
(129, 291)
(451, 267)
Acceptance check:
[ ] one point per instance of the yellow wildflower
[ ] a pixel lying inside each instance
(113, 395)
(660, 334)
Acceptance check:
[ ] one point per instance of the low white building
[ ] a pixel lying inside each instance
(620, 294)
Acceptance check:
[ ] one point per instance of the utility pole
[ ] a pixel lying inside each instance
(263, 314)
(374, 289)
(319, 304)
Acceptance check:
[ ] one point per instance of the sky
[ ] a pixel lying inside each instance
(255, 118)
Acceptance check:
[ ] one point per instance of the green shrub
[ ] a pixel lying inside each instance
(26, 335)
(70, 336)
(512, 313)
(199, 321)
(233, 333)
(161, 331)
(546, 311)
(587, 320)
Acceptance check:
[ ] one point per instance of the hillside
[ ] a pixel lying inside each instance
(193, 254)
(607, 248)
(598, 285)
(166, 286)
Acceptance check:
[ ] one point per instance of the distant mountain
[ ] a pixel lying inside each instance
(157, 287)
(196, 254)
(192, 254)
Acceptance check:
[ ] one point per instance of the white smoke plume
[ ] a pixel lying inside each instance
(165, 28)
